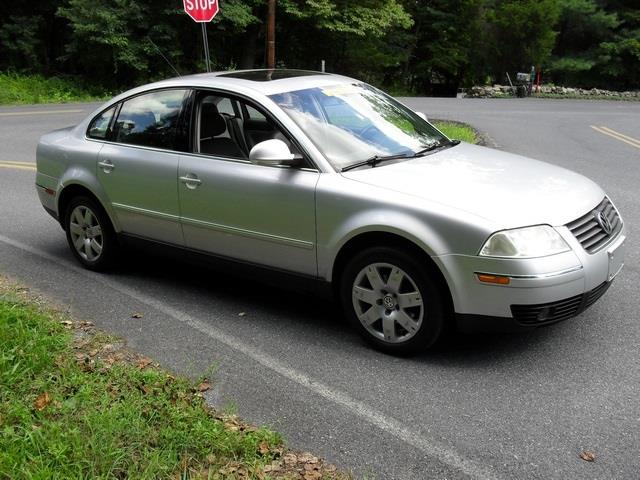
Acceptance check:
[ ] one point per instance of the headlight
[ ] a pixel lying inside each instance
(527, 242)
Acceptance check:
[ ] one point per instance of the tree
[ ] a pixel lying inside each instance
(517, 35)
(442, 44)
(583, 27)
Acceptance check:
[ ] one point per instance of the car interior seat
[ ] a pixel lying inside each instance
(212, 128)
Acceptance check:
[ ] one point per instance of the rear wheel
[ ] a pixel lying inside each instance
(90, 234)
(392, 301)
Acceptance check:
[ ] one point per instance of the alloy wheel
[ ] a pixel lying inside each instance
(86, 233)
(387, 302)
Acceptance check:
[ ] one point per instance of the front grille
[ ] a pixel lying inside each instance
(589, 231)
(546, 313)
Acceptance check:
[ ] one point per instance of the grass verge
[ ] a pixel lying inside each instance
(457, 130)
(74, 403)
(30, 89)
(569, 96)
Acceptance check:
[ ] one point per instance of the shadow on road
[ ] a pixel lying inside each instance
(307, 315)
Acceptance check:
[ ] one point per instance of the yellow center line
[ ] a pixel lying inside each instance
(618, 136)
(11, 162)
(38, 112)
(18, 167)
(622, 135)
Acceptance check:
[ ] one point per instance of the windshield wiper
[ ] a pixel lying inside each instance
(375, 160)
(435, 146)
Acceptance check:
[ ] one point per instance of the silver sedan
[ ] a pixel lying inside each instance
(329, 182)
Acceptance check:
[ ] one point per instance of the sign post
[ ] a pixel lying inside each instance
(202, 11)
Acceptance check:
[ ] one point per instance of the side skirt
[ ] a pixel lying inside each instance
(270, 276)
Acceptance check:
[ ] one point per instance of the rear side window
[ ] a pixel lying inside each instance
(99, 128)
(150, 120)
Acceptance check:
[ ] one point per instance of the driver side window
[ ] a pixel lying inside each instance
(231, 127)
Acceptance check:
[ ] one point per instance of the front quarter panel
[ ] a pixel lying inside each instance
(346, 209)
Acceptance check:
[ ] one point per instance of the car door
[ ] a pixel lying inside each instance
(138, 167)
(232, 208)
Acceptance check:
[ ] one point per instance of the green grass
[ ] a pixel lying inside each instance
(118, 422)
(457, 131)
(29, 89)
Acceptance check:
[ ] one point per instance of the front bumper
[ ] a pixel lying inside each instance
(541, 290)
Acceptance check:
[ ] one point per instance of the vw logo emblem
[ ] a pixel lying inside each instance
(603, 221)
(389, 302)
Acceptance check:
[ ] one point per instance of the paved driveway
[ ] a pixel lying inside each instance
(499, 406)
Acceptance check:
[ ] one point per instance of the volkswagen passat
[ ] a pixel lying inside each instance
(324, 178)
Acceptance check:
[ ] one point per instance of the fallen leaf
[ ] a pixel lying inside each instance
(93, 352)
(146, 390)
(136, 315)
(143, 362)
(314, 475)
(81, 356)
(66, 323)
(42, 401)
(588, 456)
(263, 448)
(290, 459)
(307, 458)
(203, 387)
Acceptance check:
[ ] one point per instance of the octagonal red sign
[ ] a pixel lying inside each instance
(201, 10)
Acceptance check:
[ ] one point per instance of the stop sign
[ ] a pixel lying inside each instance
(201, 10)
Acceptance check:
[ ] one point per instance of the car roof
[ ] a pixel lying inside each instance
(267, 82)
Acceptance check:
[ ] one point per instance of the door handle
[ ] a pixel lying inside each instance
(106, 165)
(191, 181)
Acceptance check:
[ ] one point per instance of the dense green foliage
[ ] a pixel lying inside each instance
(30, 89)
(61, 419)
(430, 46)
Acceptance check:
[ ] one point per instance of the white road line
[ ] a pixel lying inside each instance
(38, 112)
(390, 425)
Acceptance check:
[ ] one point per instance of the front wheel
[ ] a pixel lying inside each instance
(90, 234)
(392, 301)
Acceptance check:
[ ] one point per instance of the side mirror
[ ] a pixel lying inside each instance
(422, 116)
(272, 152)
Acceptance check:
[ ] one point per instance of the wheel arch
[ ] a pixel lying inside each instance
(73, 190)
(370, 239)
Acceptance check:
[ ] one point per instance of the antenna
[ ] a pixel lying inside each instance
(162, 55)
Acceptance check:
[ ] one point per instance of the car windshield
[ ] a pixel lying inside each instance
(350, 123)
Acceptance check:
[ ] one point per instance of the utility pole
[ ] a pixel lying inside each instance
(271, 34)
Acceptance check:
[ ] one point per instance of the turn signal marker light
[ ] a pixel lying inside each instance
(496, 279)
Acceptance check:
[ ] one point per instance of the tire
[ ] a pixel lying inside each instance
(90, 234)
(392, 301)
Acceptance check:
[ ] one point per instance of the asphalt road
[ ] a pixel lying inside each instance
(493, 406)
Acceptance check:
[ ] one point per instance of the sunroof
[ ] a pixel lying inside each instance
(268, 75)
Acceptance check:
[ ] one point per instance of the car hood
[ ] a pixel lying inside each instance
(506, 189)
